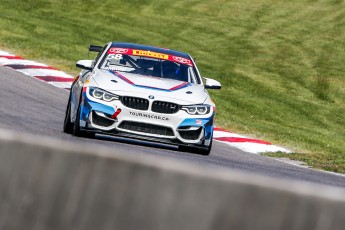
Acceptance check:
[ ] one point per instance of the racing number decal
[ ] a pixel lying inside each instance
(115, 56)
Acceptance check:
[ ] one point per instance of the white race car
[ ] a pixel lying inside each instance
(142, 92)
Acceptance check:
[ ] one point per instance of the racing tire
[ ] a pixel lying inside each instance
(205, 151)
(76, 126)
(68, 125)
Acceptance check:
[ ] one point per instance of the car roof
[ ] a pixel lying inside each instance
(150, 48)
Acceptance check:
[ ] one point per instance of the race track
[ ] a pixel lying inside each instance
(35, 107)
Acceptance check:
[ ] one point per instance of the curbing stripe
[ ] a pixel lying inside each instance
(241, 140)
(44, 72)
(5, 62)
(10, 57)
(21, 66)
(54, 79)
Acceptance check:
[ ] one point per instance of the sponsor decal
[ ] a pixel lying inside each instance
(198, 122)
(150, 116)
(117, 51)
(147, 53)
(119, 68)
(150, 54)
(182, 60)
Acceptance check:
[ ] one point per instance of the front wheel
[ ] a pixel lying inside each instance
(68, 125)
(76, 126)
(198, 150)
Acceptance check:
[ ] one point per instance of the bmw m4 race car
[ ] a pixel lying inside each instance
(142, 92)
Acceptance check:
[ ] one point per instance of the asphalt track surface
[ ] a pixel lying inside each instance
(31, 106)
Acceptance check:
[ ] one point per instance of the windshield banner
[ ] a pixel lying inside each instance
(147, 53)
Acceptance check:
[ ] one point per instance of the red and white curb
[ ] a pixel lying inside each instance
(60, 79)
(247, 144)
(36, 70)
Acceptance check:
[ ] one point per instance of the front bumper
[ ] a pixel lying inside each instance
(179, 127)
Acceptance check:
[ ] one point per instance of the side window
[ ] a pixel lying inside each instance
(99, 55)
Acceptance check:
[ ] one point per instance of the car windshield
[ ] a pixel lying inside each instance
(149, 64)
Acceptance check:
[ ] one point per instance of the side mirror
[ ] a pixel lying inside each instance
(84, 64)
(212, 84)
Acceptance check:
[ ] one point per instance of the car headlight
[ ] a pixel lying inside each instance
(197, 109)
(103, 95)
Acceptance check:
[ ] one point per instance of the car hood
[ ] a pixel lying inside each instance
(128, 84)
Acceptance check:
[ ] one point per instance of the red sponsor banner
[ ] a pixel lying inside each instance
(147, 53)
(118, 51)
(181, 60)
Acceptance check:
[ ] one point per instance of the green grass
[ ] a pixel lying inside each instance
(281, 63)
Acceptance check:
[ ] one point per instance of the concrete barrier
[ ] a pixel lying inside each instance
(49, 184)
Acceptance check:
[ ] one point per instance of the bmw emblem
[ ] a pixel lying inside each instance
(151, 97)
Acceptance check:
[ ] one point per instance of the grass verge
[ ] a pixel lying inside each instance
(281, 63)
